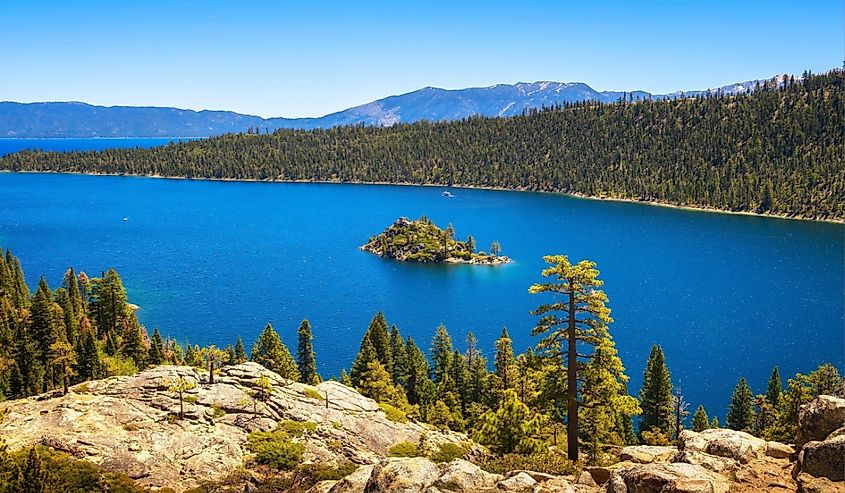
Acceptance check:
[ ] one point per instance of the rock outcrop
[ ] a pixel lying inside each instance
(736, 445)
(130, 424)
(821, 439)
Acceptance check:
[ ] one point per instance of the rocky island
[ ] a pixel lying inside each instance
(423, 241)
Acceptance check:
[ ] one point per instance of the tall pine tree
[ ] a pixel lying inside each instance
(741, 408)
(656, 398)
(305, 359)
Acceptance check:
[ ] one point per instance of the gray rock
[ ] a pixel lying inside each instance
(779, 450)
(646, 454)
(521, 481)
(819, 418)
(355, 482)
(402, 475)
(736, 445)
(712, 463)
(825, 459)
(667, 478)
(460, 475)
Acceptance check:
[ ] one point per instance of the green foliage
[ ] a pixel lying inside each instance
(548, 462)
(404, 449)
(393, 414)
(700, 422)
(312, 393)
(421, 241)
(306, 361)
(656, 398)
(296, 428)
(275, 449)
(653, 150)
(323, 472)
(774, 388)
(270, 352)
(448, 451)
(741, 408)
(512, 427)
(654, 436)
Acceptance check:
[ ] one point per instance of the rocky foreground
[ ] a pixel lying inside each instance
(128, 425)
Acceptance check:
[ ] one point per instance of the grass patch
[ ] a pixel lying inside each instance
(321, 472)
(296, 428)
(275, 449)
(191, 399)
(404, 449)
(393, 414)
(217, 412)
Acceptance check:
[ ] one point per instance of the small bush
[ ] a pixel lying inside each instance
(172, 418)
(654, 436)
(321, 472)
(296, 428)
(545, 462)
(191, 399)
(393, 414)
(337, 425)
(274, 449)
(447, 452)
(217, 412)
(404, 449)
(312, 393)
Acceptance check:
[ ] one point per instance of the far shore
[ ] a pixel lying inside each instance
(467, 187)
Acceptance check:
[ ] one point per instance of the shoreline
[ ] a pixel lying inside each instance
(459, 186)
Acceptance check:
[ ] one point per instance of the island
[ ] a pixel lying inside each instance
(423, 241)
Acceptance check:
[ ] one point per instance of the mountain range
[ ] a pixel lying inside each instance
(80, 120)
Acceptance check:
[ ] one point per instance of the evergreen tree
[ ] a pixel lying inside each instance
(134, 341)
(366, 355)
(505, 362)
(559, 325)
(88, 362)
(656, 398)
(714, 423)
(63, 356)
(156, 352)
(741, 408)
(824, 380)
(470, 244)
(763, 414)
(110, 303)
(380, 339)
(478, 383)
(774, 389)
(270, 352)
(305, 359)
(41, 326)
(441, 354)
(10, 472)
(240, 353)
(418, 387)
(213, 358)
(605, 398)
(700, 422)
(512, 428)
(71, 284)
(34, 476)
(400, 357)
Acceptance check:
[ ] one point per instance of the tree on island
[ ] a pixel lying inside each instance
(495, 248)
(581, 317)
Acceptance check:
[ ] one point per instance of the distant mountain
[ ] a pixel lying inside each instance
(74, 119)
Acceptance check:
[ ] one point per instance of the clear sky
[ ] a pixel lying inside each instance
(280, 58)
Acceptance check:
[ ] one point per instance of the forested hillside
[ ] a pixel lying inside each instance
(779, 150)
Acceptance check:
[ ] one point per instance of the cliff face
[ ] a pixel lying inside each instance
(129, 425)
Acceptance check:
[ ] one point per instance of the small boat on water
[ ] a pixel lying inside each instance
(447, 193)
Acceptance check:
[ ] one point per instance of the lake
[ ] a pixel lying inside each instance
(726, 295)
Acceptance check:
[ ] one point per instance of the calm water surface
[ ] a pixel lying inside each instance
(726, 295)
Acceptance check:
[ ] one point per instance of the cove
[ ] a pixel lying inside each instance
(726, 295)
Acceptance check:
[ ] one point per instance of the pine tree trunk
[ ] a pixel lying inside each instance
(64, 377)
(572, 384)
(210, 371)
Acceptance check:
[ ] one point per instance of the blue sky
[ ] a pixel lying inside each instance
(279, 58)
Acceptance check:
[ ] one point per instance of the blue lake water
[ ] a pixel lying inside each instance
(726, 295)
(8, 146)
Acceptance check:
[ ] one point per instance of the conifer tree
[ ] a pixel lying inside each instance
(774, 389)
(10, 472)
(741, 408)
(824, 380)
(305, 359)
(213, 358)
(714, 423)
(179, 386)
(41, 325)
(71, 284)
(366, 355)
(34, 477)
(156, 352)
(270, 352)
(581, 317)
(63, 356)
(380, 339)
(88, 361)
(110, 302)
(478, 382)
(134, 341)
(512, 428)
(605, 398)
(441, 354)
(400, 357)
(191, 355)
(763, 414)
(240, 353)
(345, 379)
(418, 387)
(700, 422)
(656, 398)
(505, 362)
